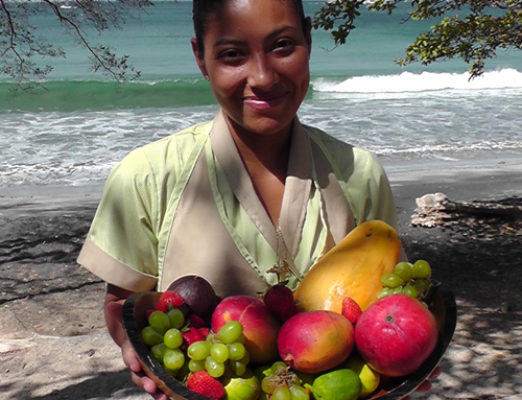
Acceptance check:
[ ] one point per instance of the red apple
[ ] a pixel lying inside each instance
(315, 341)
(395, 335)
(259, 326)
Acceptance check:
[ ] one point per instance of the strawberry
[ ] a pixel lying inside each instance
(201, 382)
(279, 299)
(196, 321)
(168, 299)
(351, 310)
(191, 335)
(204, 331)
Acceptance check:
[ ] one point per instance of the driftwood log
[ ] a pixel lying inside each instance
(434, 209)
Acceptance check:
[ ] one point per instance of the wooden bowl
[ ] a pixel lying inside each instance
(441, 303)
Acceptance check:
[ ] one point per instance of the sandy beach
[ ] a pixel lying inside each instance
(53, 343)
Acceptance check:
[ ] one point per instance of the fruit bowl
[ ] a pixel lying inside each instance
(441, 303)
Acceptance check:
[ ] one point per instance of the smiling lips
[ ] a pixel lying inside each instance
(264, 103)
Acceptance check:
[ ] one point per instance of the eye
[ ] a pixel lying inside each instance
(230, 56)
(284, 45)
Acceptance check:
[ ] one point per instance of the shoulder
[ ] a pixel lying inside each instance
(347, 160)
(166, 156)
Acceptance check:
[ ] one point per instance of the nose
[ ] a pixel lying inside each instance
(261, 73)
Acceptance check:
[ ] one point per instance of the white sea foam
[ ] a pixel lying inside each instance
(408, 82)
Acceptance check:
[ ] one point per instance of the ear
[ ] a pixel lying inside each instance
(200, 60)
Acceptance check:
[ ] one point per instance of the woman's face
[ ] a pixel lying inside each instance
(256, 57)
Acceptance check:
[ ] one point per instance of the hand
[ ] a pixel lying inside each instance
(130, 358)
(113, 316)
(426, 385)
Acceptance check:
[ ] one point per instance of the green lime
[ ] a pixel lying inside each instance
(341, 384)
(243, 388)
(369, 378)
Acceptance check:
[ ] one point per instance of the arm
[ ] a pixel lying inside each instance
(114, 299)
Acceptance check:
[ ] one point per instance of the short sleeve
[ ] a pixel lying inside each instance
(122, 245)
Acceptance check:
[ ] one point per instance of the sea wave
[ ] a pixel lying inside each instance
(73, 95)
(408, 82)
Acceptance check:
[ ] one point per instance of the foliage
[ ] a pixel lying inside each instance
(20, 41)
(470, 29)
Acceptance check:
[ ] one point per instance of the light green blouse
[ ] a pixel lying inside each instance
(185, 204)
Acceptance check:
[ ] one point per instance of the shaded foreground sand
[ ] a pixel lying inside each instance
(53, 343)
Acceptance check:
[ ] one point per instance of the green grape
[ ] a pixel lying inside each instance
(230, 332)
(384, 292)
(299, 393)
(422, 285)
(404, 270)
(157, 351)
(391, 280)
(397, 290)
(219, 352)
(238, 367)
(176, 317)
(196, 365)
(236, 351)
(278, 366)
(173, 359)
(173, 338)
(281, 393)
(150, 336)
(214, 368)
(199, 350)
(246, 358)
(411, 291)
(159, 321)
(269, 383)
(421, 269)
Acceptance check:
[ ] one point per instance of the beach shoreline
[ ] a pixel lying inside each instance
(54, 343)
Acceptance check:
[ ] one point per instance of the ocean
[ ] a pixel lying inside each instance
(72, 132)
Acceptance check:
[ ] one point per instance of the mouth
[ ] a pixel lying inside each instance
(264, 102)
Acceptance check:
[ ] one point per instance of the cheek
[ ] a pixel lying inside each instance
(297, 69)
(228, 84)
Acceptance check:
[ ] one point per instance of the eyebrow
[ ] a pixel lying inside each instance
(228, 41)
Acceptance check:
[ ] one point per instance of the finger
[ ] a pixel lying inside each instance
(160, 396)
(144, 382)
(424, 387)
(130, 358)
(436, 372)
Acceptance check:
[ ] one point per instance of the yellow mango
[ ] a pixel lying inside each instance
(353, 268)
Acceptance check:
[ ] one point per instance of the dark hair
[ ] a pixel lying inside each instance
(201, 9)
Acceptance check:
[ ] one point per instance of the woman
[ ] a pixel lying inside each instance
(231, 198)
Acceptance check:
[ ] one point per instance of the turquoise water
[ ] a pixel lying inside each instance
(81, 123)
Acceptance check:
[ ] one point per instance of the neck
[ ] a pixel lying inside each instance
(270, 152)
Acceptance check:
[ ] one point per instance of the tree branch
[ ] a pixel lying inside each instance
(81, 38)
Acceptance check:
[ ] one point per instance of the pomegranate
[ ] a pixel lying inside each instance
(395, 335)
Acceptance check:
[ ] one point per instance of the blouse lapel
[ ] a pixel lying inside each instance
(230, 161)
(296, 194)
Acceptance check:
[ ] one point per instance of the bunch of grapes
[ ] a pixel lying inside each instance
(163, 336)
(409, 279)
(221, 352)
(280, 383)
